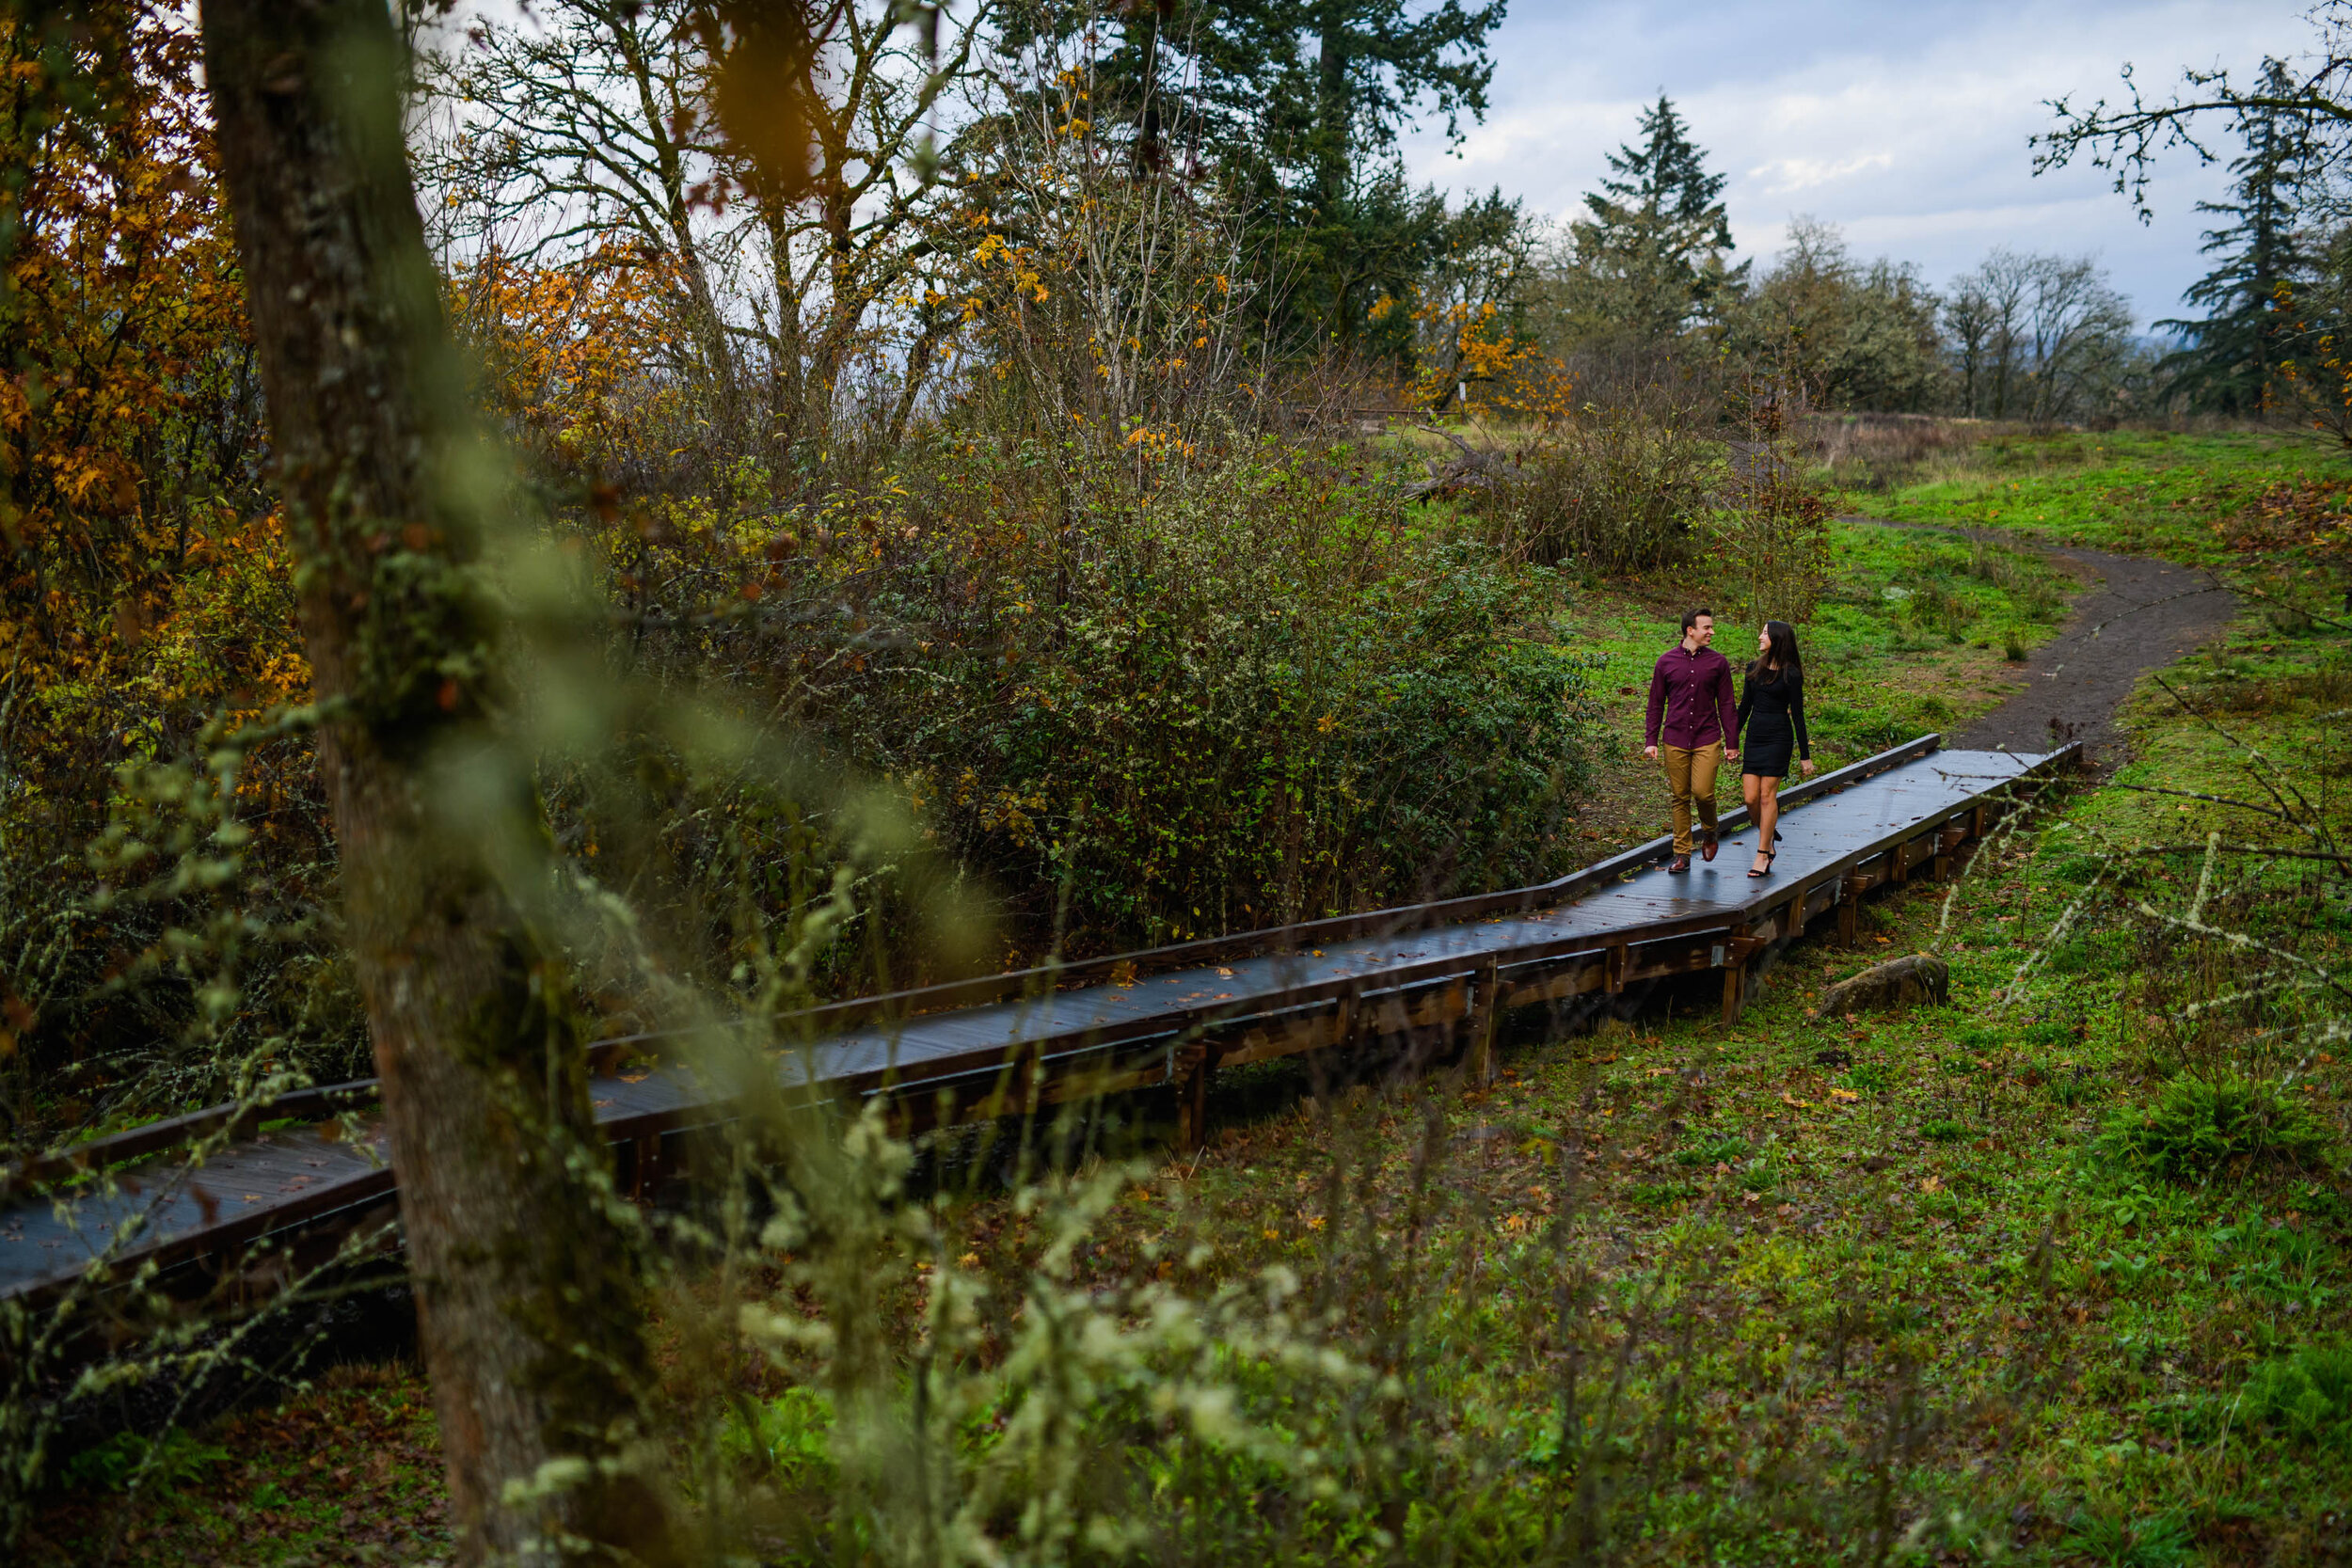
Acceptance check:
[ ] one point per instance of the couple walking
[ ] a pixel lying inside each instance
(1692, 721)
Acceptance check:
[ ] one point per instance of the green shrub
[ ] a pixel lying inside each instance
(2118, 1540)
(2306, 1395)
(1867, 1078)
(2199, 1126)
(172, 1461)
(1941, 1131)
(2073, 1089)
(1660, 1194)
(1936, 608)
(1255, 693)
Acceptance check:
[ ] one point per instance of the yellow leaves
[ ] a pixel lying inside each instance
(1933, 1185)
(1847, 1095)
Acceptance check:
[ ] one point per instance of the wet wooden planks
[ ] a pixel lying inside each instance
(1108, 1035)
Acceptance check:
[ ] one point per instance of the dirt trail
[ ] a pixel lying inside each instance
(2142, 616)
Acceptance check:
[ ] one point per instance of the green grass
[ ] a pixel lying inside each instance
(2134, 492)
(1879, 668)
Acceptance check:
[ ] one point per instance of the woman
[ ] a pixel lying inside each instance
(1772, 715)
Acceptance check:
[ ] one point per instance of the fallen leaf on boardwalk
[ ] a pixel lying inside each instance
(1227, 973)
(635, 1077)
(1933, 1185)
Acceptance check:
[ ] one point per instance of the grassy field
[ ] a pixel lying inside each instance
(1986, 1282)
(1780, 1293)
(2134, 492)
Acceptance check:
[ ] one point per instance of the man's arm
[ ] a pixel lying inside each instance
(1656, 705)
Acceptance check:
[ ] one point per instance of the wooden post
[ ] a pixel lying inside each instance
(644, 1165)
(1848, 911)
(1478, 1060)
(1612, 971)
(1192, 1097)
(1738, 945)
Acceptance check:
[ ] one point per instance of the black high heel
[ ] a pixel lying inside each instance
(1769, 855)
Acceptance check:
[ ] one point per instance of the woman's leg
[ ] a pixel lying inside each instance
(1764, 809)
(1747, 795)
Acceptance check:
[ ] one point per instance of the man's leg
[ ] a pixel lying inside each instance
(1678, 760)
(1702, 763)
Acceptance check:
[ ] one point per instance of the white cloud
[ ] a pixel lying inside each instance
(1803, 174)
(1906, 126)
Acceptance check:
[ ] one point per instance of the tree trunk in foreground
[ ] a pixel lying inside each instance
(528, 1305)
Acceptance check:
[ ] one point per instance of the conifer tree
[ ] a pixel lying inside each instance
(2231, 356)
(1649, 257)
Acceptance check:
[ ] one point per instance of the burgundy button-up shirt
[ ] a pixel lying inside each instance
(1691, 693)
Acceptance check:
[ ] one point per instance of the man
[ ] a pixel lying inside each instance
(1691, 690)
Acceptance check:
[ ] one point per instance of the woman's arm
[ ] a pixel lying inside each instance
(1796, 714)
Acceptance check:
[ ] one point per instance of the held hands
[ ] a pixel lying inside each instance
(1650, 752)
(1807, 765)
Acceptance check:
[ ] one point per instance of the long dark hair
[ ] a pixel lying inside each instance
(1781, 662)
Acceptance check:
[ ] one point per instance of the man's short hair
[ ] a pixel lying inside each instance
(1691, 617)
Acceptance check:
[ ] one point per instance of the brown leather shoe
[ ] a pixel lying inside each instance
(1679, 864)
(1707, 846)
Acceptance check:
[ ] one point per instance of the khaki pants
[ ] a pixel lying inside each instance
(1691, 775)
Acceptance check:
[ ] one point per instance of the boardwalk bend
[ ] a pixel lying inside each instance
(1435, 974)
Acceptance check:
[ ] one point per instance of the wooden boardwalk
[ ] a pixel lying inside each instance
(1440, 973)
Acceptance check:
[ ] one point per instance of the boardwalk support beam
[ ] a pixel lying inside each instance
(1737, 949)
(1486, 1012)
(1192, 1096)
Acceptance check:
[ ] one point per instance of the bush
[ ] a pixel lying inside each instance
(1618, 492)
(2307, 1396)
(1249, 695)
(2202, 1126)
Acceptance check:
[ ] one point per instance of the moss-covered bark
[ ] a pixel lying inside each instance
(532, 1315)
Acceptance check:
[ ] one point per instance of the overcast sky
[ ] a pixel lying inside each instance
(1904, 123)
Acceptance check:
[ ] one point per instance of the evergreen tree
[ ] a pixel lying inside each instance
(2231, 358)
(1649, 255)
(1293, 108)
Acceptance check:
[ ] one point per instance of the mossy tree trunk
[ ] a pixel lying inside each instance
(529, 1301)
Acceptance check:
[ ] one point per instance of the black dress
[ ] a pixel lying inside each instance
(1772, 721)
